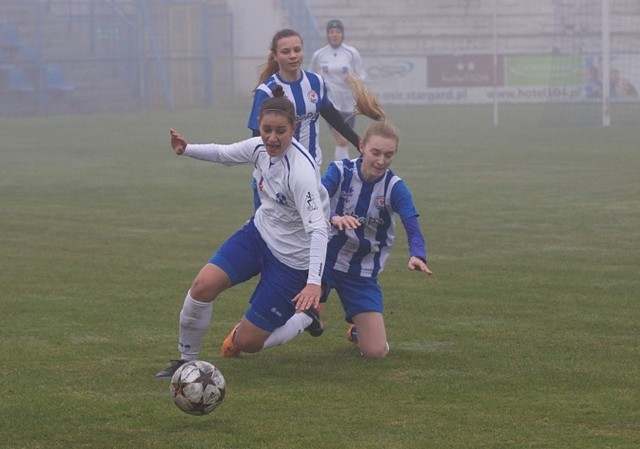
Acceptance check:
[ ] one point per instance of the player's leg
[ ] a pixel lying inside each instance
(248, 337)
(271, 319)
(309, 321)
(209, 283)
(298, 323)
(362, 302)
(197, 309)
(372, 336)
(302, 321)
(342, 146)
(233, 263)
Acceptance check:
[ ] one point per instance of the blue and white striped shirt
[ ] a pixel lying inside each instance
(365, 250)
(309, 96)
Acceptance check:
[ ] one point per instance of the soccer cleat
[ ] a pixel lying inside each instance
(170, 370)
(228, 348)
(352, 334)
(316, 328)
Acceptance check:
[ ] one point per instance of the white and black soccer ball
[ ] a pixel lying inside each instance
(197, 387)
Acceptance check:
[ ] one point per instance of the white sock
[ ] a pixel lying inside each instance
(195, 319)
(341, 153)
(288, 331)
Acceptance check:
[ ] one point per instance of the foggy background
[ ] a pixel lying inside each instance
(89, 56)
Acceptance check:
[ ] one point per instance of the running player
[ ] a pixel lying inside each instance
(285, 241)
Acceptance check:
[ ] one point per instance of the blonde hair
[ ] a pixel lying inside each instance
(382, 128)
(367, 104)
(366, 101)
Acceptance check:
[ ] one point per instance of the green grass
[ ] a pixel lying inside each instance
(527, 335)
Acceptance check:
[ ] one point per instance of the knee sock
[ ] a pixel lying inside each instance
(341, 153)
(195, 319)
(288, 331)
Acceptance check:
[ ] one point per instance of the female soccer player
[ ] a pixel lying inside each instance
(365, 197)
(285, 241)
(306, 90)
(337, 62)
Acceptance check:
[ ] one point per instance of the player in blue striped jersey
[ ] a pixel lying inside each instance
(306, 90)
(365, 195)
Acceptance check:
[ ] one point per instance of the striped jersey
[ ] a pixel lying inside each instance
(365, 250)
(294, 202)
(309, 96)
(335, 64)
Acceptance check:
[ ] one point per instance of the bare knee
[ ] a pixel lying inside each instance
(377, 352)
(209, 283)
(249, 338)
(201, 291)
(249, 343)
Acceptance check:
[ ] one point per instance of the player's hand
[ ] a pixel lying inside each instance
(308, 298)
(178, 143)
(345, 222)
(417, 264)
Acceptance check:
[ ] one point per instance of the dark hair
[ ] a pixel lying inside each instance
(335, 23)
(278, 104)
(271, 66)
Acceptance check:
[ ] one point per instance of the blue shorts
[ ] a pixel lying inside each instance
(245, 255)
(357, 293)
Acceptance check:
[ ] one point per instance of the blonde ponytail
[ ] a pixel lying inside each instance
(366, 102)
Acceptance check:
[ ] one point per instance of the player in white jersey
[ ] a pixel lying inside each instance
(337, 62)
(285, 242)
(306, 90)
(365, 197)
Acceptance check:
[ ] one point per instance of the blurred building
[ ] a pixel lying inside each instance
(86, 56)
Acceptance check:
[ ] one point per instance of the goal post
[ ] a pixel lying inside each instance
(606, 63)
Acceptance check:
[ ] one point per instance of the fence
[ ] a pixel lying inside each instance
(83, 56)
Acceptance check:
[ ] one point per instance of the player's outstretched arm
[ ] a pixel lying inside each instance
(178, 143)
(417, 264)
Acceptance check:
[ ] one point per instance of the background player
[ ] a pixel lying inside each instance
(336, 62)
(306, 90)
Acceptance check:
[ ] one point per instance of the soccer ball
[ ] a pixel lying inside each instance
(197, 387)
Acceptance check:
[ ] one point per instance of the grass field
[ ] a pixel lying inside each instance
(527, 335)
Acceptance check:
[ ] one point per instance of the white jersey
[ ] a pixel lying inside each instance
(335, 64)
(294, 204)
